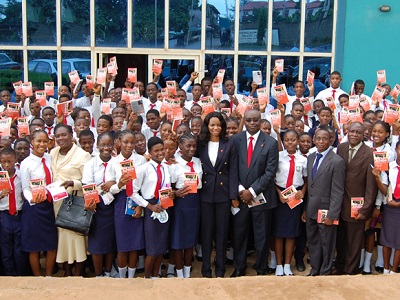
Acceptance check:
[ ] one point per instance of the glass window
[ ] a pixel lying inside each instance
(41, 17)
(321, 66)
(214, 62)
(286, 25)
(288, 76)
(75, 22)
(148, 22)
(185, 25)
(319, 25)
(111, 23)
(76, 60)
(248, 64)
(11, 63)
(42, 66)
(11, 22)
(220, 22)
(253, 25)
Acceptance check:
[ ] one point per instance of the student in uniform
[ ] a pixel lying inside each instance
(153, 124)
(38, 230)
(128, 228)
(15, 262)
(285, 222)
(101, 240)
(151, 178)
(21, 147)
(186, 220)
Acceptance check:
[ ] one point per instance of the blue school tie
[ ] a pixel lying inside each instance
(315, 166)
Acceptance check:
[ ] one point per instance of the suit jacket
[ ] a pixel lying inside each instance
(360, 182)
(326, 190)
(263, 167)
(220, 182)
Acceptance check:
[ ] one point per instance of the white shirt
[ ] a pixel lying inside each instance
(324, 153)
(255, 137)
(147, 107)
(147, 180)
(18, 194)
(94, 170)
(177, 173)
(288, 106)
(300, 170)
(213, 151)
(322, 95)
(114, 172)
(32, 168)
(83, 102)
(148, 132)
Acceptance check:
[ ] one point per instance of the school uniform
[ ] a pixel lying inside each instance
(390, 235)
(185, 223)
(227, 97)
(155, 233)
(285, 221)
(49, 129)
(128, 230)
(101, 238)
(289, 105)
(334, 93)
(15, 261)
(38, 230)
(147, 105)
(148, 132)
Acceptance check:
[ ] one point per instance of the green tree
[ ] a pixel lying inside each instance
(11, 22)
(262, 25)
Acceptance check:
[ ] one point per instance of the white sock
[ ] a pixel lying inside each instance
(179, 273)
(362, 258)
(367, 262)
(99, 276)
(379, 259)
(287, 270)
(171, 269)
(141, 262)
(392, 272)
(386, 271)
(107, 274)
(122, 272)
(279, 270)
(272, 262)
(131, 272)
(230, 254)
(153, 278)
(160, 271)
(392, 257)
(186, 272)
(199, 251)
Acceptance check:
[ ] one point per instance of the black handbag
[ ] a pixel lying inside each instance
(73, 216)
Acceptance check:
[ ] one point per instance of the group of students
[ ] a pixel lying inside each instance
(243, 164)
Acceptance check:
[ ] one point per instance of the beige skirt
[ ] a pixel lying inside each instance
(72, 246)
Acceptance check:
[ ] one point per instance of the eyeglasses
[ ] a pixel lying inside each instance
(255, 120)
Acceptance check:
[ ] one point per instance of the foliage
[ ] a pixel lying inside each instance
(262, 25)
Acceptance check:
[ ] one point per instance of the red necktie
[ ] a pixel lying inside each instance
(384, 104)
(65, 120)
(297, 99)
(396, 193)
(231, 105)
(333, 94)
(129, 187)
(152, 106)
(159, 180)
(92, 122)
(305, 119)
(12, 204)
(48, 177)
(191, 166)
(104, 174)
(49, 130)
(155, 133)
(250, 151)
(289, 181)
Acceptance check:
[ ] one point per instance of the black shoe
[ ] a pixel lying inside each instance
(261, 273)
(271, 270)
(140, 270)
(379, 269)
(206, 275)
(300, 266)
(229, 262)
(366, 273)
(237, 273)
(199, 258)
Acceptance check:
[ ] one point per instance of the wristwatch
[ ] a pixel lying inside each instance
(378, 207)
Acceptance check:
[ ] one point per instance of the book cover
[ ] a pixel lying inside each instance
(220, 75)
(381, 160)
(355, 115)
(130, 206)
(157, 65)
(113, 60)
(111, 69)
(344, 116)
(331, 103)
(90, 193)
(356, 204)
(5, 125)
(164, 92)
(378, 93)
(125, 95)
(49, 88)
(137, 106)
(394, 93)
(381, 76)
(165, 200)
(310, 76)
(101, 75)
(106, 106)
(260, 199)
(354, 101)
(74, 76)
(132, 75)
(290, 195)
(78, 86)
(134, 94)
(190, 179)
(391, 113)
(257, 77)
(281, 94)
(5, 183)
(322, 213)
(37, 187)
(175, 124)
(127, 166)
(27, 89)
(64, 108)
(41, 97)
(23, 126)
(18, 88)
(171, 88)
(57, 191)
(89, 81)
(177, 112)
(12, 110)
(365, 104)
(279, 65)
(207, 108)
(276, 117)
(263, 96)
(217, 90)
(306, 104)
(226, 111)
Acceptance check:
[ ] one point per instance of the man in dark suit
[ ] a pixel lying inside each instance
(325, 172)
(258, 162)
(360, 182)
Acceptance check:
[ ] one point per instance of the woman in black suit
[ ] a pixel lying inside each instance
(220, 187)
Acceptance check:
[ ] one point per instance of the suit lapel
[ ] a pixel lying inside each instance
(358, 156)
(243, 148)
(323, 165)
(220, 154)
(257, 149)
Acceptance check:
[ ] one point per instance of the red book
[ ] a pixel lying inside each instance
(90, 193)
(38, 187)
(74, 76)
(127, 166)
(49, 88)
(157, 65)
(132, 75)
(165, 200)
(281, 94)
(307, 105)
(13, 110)
(381, 160)
(101, 75)
(5, 183)
(191, 181)
(41, 97)
(64, 108)
(89, 81)
(279, 65)
(290, 195)
(322, 213)
(27, 89)
(23, 126)
(310, 76)
(356, 204)
(18, 88)
(263, 96)
(276, 117)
